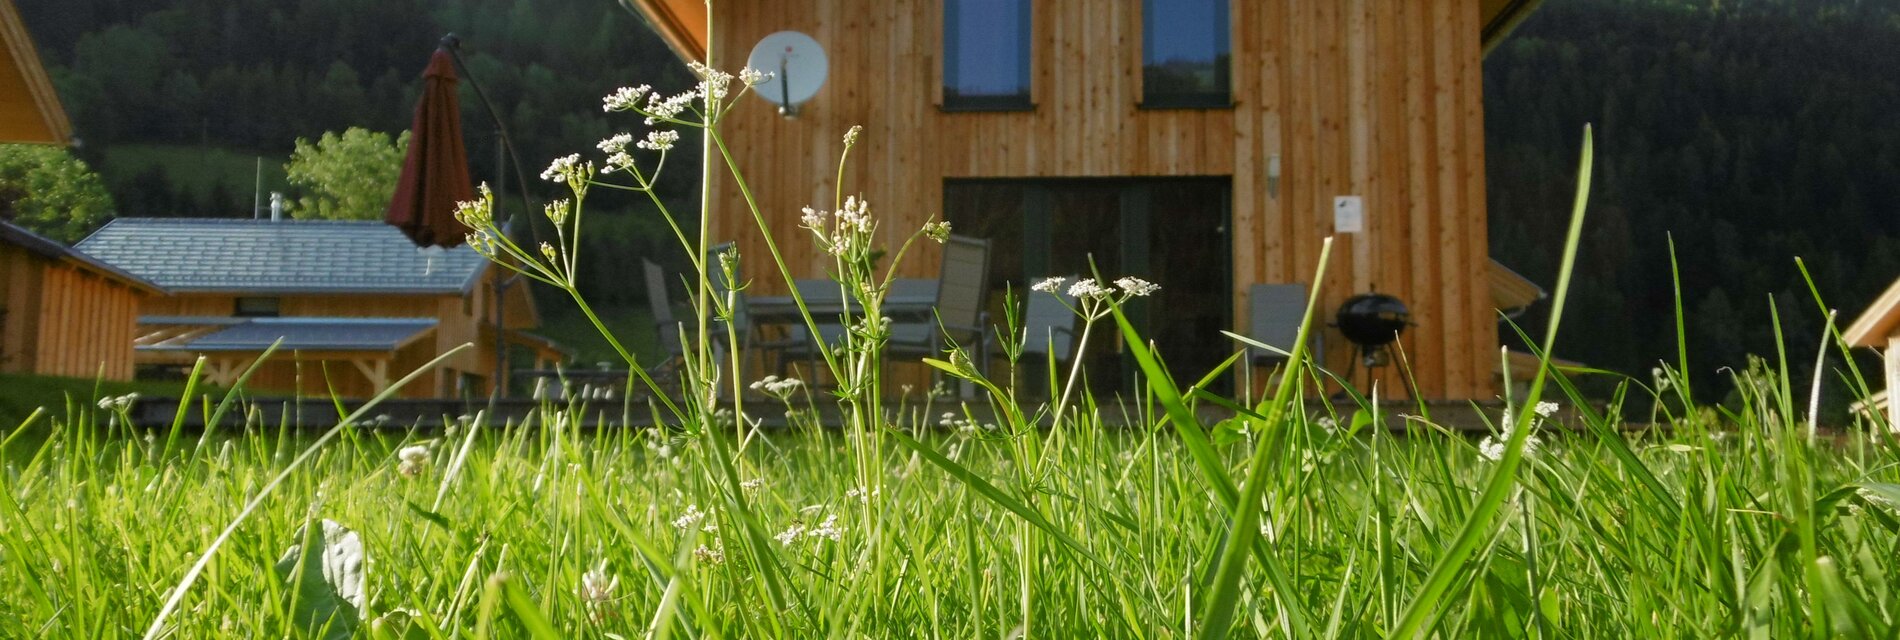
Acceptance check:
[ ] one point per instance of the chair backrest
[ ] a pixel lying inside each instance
(962, 281)
(1274, 315)
(661, 309)
(1048, 325)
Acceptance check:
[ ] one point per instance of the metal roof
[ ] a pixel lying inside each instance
(238, 255)
(51, 249)
(305, 334)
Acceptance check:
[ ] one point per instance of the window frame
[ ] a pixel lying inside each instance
(1223, 99)
(276, 307)
(948, 100)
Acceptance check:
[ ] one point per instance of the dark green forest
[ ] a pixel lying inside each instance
(1751, 133)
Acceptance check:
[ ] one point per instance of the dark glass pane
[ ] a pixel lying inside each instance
(1171, 231)
(1185, 53)
(986, 54)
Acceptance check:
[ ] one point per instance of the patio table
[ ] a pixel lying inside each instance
(909, 300)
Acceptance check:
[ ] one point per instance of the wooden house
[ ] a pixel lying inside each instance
(1206, 145)
(64, 313)
(355, 304)
(1878, 328)
(29, 108)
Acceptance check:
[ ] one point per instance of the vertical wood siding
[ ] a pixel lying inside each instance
(1357, 97)
(66, 322)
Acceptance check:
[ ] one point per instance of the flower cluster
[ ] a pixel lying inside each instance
(412, 460)
(1492, 447)
(659, 140)
(829, 530)
(597, 586)
(691, 517)
(1093, 298)
(120, 404)
(715, 554)
(845, 232)
(781, 388)
(938, 230)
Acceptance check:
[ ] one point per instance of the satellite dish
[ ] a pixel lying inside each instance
(797, 65)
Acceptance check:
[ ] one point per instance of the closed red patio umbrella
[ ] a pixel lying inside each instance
(435, 173)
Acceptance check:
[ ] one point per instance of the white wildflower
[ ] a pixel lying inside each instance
(562, 169)
(752, 484)
(753, 77)
(715, 554)
(1546, 409)
(1049, 285)
(624, 98)
(691, 517)
(812, 218)
(851, 136)
(1086, 288)
(1137, 287)
(660, 109)
(659, 140)
(790, 535)
(597, 587)
(829, 529)
(615, 143)
(939, 230)
(412, 460)
(712, 82)
(558, 210)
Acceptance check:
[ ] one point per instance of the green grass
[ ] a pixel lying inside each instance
(1701, 532)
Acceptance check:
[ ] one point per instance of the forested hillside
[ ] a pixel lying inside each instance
(1751, 132)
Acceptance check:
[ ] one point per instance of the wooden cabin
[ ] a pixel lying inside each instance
(1205, 145)
(355, 304)
(64, 313)
(1879, 329)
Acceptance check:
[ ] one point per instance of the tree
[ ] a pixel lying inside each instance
(346, 177)
(50, 192)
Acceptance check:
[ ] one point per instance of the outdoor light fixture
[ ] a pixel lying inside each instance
(1273, 176)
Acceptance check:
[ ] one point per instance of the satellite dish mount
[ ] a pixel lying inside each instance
(799, 67)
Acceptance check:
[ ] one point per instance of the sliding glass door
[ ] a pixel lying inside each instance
(1170, 231)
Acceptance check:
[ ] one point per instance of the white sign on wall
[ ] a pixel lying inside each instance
(1349, 214)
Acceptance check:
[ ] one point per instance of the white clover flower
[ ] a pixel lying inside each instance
(624, 98)
(615, 143)
(691, 517)
(659, 140)
(1049, 285)
(1136, 287)
(597, 587)
(753, 77)
(1546, 409)
(412, 460)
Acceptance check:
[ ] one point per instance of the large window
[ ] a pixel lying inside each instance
(1184, 54)
(986, 54)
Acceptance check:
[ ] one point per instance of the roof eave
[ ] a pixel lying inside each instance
(1875, 325)
(26, 61)
(1501, 19)
(681, 23)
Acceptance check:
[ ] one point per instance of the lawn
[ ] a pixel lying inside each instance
(1718, 528)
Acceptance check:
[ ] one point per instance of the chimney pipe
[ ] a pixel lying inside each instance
(276, 206)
